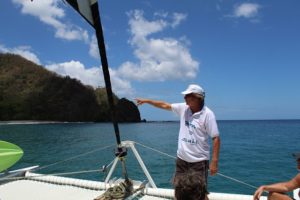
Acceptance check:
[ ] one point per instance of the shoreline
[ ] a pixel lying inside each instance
(32, 122)
(24, 122)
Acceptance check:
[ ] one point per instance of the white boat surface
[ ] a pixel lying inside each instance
(52, 187)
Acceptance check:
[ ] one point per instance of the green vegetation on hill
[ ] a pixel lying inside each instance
(31, 92)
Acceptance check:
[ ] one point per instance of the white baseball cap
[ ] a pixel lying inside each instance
(195, 89)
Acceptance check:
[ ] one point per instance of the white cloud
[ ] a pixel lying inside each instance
(178, 18)
(159, 59)
(49, 13)
(140, 27)
(94, 51)
(91, 76)
(76, 69)
(120, 85)
(246, 10)
(161, 14)
(24, 51)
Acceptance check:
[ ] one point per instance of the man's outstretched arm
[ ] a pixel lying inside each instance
(155, 103)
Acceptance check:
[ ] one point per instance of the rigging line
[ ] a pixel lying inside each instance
(106, 166)
(156, 150)
(236, 180)
(59, 174)
(68, 173)
(228, 177)
(74, 157)
(55, 174)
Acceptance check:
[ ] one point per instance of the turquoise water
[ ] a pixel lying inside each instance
(255, 152)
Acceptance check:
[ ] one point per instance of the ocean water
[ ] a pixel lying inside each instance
(252, 152)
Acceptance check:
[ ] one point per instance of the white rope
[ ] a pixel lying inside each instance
(55, 174)
(236, 180)
(67, 173)
(156, 150)
(74, 157)
(106, 166)
(58, 174)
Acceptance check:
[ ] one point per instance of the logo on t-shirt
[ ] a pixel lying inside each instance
(190, 125)
(190, 141)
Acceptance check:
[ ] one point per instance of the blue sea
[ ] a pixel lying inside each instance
(252, 152)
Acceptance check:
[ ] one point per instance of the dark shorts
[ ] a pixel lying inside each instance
(183, 166)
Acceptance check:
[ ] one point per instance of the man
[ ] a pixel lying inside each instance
(277, 190)
(197, 124)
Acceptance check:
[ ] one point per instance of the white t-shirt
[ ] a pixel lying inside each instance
(194, 132)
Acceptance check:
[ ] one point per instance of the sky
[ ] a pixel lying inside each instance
(245, 54)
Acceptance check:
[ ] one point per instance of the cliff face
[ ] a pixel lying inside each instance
(30, 92)
(127, 111)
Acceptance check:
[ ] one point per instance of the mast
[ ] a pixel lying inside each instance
(105, 69)
(88, 9)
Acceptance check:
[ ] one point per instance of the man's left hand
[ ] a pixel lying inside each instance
(213, 167)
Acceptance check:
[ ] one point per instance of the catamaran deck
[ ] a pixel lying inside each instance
(41, 187)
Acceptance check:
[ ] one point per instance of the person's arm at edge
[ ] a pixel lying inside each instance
(215, 155)
(155, 103)
(278, 187)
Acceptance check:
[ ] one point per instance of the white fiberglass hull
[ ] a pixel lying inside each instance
(43, 187)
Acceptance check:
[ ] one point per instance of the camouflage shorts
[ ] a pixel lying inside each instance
(183, 166)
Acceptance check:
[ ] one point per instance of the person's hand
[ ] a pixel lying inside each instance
(258, 193)
(213, 168)
(139, 101)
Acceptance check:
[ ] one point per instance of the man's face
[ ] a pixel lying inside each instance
(192, 101)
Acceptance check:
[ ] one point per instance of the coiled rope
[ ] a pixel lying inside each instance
(120, 191)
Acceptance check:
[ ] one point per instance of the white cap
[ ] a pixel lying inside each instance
(193, 88)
